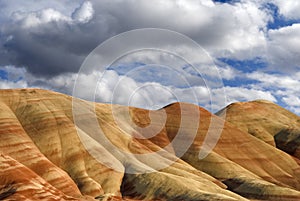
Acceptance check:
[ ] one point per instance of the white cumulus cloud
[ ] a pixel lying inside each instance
(84, 13)
(289, 8)
(283, 48)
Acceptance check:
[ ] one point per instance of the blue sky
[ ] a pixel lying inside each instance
(253, 43)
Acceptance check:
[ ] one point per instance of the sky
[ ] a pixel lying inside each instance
(250, 50)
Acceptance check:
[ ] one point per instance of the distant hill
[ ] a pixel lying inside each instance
(268, 122)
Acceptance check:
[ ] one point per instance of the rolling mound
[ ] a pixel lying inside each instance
(268, 122)
(109, 152)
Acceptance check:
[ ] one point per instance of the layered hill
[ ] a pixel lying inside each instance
(268, 122)
(54, 147)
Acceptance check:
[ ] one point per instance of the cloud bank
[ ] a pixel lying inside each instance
(43, 44)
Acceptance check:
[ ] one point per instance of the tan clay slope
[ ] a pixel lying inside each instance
(20, 183)
(15, 143)
(239, 159)
(17, 182)
(268, 122)
(32, 119)
(247, 165)
(37, 129)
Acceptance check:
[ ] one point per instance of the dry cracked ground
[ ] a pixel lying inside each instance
(44, 155)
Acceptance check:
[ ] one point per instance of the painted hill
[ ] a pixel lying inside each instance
(112, 154)
(268, 122)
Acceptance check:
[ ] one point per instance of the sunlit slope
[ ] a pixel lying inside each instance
(114, 154)
(268, 122)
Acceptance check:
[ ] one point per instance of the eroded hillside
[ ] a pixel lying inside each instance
(46, 156)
